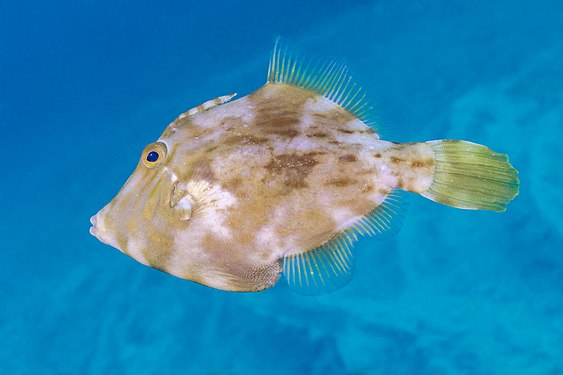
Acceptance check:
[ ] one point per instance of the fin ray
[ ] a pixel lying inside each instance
(471, 176)
(330, 79)
(329, 267)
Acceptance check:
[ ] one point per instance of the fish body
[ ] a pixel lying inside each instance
(236, 193)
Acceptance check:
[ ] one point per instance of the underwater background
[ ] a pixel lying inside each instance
(84, 85)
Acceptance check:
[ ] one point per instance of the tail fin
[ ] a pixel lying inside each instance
(471, 176)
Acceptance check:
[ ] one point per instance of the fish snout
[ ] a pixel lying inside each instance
(98, 228)
(93, 227)
(94, 231)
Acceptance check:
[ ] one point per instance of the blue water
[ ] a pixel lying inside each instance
(84, 85)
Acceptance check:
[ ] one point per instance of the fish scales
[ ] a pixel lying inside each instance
(284, 173)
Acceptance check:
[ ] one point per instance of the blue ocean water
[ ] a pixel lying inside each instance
(84, 85)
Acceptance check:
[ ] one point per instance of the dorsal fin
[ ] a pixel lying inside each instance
(208, 104)
(330, 79)
(329, 267)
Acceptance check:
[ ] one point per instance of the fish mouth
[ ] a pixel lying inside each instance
(99, 230)
(93, 229)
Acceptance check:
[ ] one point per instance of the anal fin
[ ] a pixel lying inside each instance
(322, 270)
(330, 266)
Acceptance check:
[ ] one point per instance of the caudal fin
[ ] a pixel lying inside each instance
(471, 176)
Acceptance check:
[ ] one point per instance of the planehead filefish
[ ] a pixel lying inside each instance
(236, 193)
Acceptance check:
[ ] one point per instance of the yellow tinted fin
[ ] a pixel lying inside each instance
(322, 270)
(471, 176)
(330, 79)
(329, 267)
(385, 220)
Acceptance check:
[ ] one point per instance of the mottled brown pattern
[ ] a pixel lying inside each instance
(293, 167)
(283, 187)
(280, 117)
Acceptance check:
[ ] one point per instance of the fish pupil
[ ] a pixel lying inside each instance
(152, 156)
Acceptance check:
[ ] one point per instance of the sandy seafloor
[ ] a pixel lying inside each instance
(85, 85)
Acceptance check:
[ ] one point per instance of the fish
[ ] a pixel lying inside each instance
(284, 181)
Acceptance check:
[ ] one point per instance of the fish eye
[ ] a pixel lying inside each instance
(154, 154)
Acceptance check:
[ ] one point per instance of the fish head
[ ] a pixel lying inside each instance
(182, 211)
(138, 219)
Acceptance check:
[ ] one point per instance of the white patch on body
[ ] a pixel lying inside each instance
(356, 124)
(300, 143)
(238, 160)
(319, 104)
(303, 144)
(306, 121)
(268, 235)
(213, 117)
(358, 138)
(377, 198)
(344, 217)
(212, 204)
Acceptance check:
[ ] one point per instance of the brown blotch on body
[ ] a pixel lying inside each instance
(348, 158)
(383, 191)
(366, 188)
(342, 182)
(400, 183)
(211, 149)
(396, 160)
(318, 135)
(284, 132)
(233, 183)
(231, 122)
(202, 171)
(293, 167)
(422, 163)
(378, 155)
(256, 140)
(279, 110)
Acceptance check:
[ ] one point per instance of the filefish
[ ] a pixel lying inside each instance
(236, 193)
